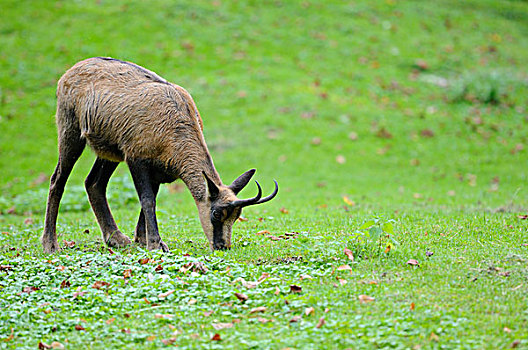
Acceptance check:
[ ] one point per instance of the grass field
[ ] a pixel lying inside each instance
(396, 131)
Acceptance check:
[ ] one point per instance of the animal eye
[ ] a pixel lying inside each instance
(217, 214)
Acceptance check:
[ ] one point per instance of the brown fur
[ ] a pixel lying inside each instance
(128, 113)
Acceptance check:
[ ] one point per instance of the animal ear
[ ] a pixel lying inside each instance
(211, 187)
(242, 181)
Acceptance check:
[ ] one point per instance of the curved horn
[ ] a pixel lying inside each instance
(271, 196)
(250, 201)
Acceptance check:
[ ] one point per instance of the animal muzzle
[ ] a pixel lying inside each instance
(221, 246)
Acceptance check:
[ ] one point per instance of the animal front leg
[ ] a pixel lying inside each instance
(140, 234)
(147, 190)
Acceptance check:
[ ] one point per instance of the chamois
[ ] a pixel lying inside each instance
(128, 113)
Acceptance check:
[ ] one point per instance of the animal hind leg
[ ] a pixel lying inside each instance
(71, 146)
(96, 184)
(140, 234)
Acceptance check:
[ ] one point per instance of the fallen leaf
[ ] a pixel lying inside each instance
(144, 261)
(242, 297)
(258, 309)
(263, 277)
(125, 330)
(219, 326)
(68, 244)
(344, 268)
(306, 277)
(434, 337)
(28, 221)
(421, 64)
(158, 268)
(110, 321)
(413, 262)
(166, 294)
(284, 210)
(277, 291)
(169, 341)
(65, 284)
(309, 311)
(342, 281)
(78, 327)
(320, 323)
(427, 133)
(349, 254)
(341, 159)
(100, 284)
(387, 250)
(29, 290)
(295, 288)
(515, 343)
(43, 346)
(216, 337)
(296, 318)
(365, 298)
(383, 133)
(242, 219)
(164, 316)
(412, 306)
(127, 273)
(263, 232)
(11, 336)
(263, 320)
(57, 345)
(192, 301)
(151, 338)
(348, 201)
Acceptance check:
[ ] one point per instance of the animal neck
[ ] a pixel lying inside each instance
(191, 174)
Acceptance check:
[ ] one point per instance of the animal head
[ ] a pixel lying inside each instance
(222, 208)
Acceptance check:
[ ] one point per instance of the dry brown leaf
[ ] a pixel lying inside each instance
(169, 341)
(284, 210)
(413, 262)
(158, 268)
(263, 320)
(219, 326)
(263, 232)
(100, 284)
(144, 261)
(309, 311)
(242, 297)
(296, 318)
(192, 301)
(344, 268)
(365, 298)
(151, 338)
(349, 254)
(43, 346)
(110, 320)
(68, 244)
(295, 288)
(164, 316)
(57, 345)
(11, 336)
(127, 273)
(166, 294)
(216, 337)
(341, 159)
(263, 277)
(320, 323)
(78, 327)
(258, 309)
(412, 306)
(65, 284)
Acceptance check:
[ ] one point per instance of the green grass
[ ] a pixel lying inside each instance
(414, 111)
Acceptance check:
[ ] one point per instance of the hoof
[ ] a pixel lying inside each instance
(51, 248)
(118, 240)
(142, 241)
(157, 246)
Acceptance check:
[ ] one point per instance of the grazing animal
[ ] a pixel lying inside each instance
(127, 113)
